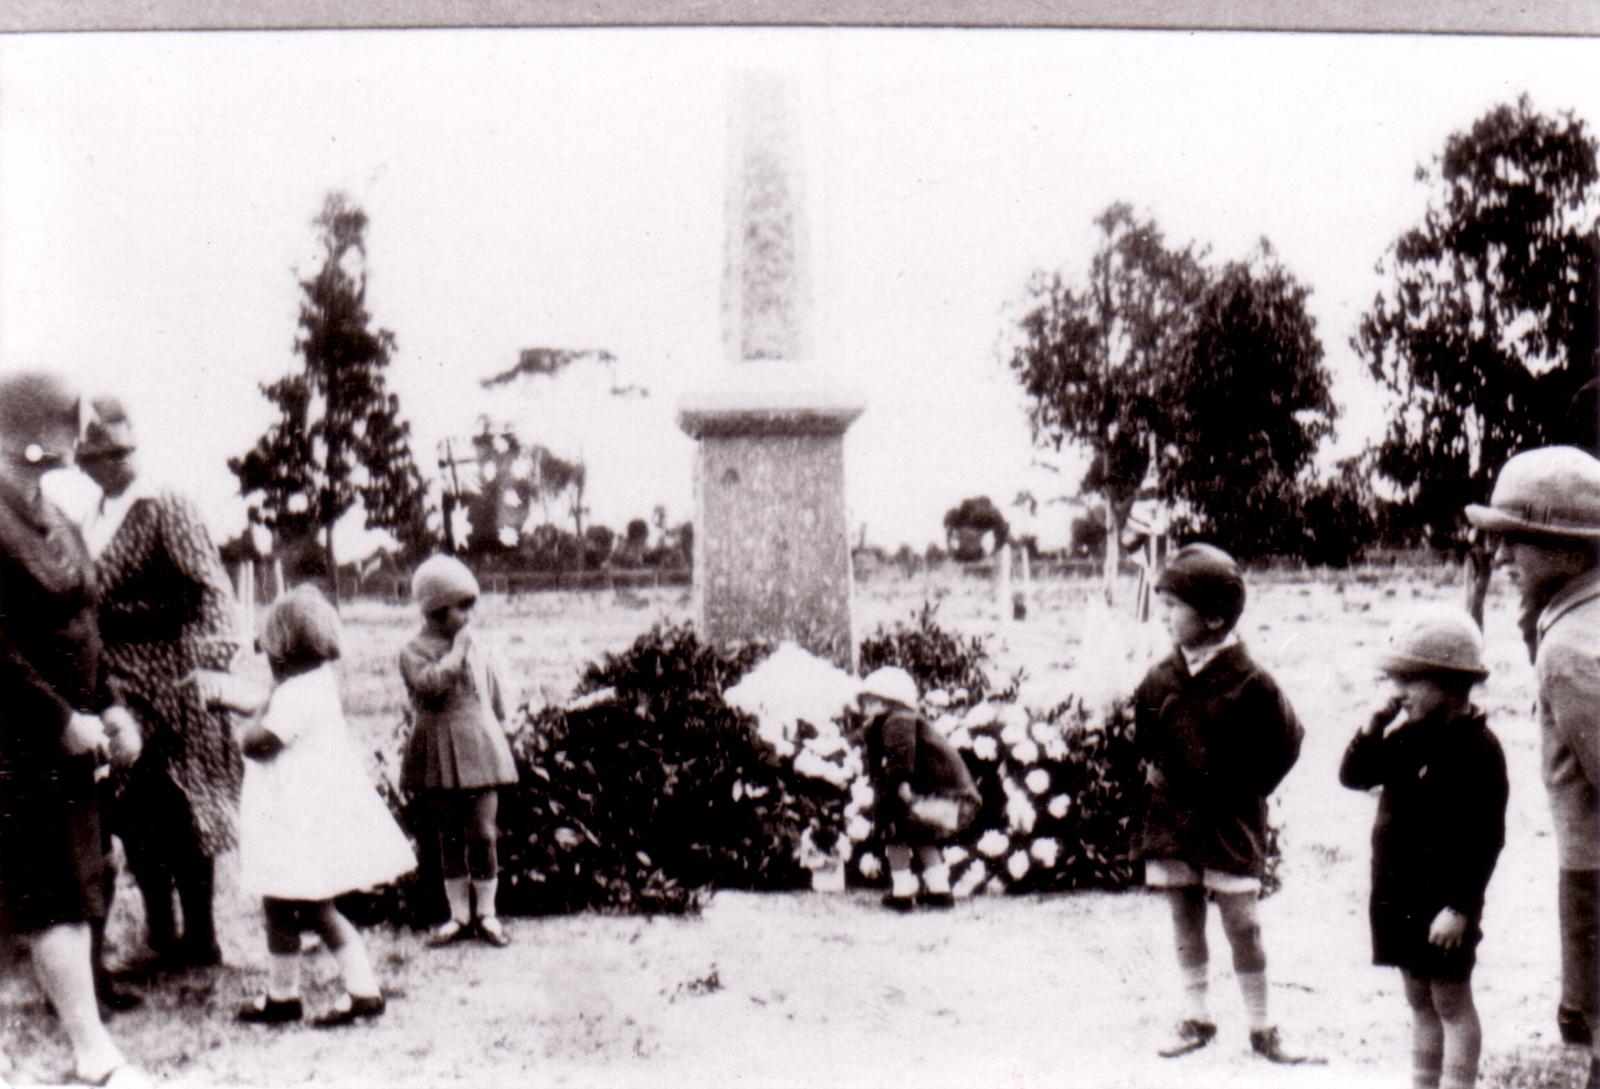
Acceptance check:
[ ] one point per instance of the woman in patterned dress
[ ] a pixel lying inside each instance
(166, 611)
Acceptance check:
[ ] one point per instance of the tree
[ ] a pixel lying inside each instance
(1487, 328)
(1204, 387)
(1093, 358)
(1248, 406)
(966, 525)
(339, 439)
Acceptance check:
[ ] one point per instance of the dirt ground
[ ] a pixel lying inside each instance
(817, 989)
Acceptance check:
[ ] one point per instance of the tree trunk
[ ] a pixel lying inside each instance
(1478, 569)
(1117, 511)
(333, 565)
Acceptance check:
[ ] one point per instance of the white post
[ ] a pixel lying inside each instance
(1002, 581)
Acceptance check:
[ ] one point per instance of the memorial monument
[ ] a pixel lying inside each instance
(772, 548)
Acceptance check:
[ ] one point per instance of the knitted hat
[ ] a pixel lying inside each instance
(1435, 639)
(440, 581)
(1553, 491)
(1207, 579)
(890, 683)
(107, 430)
(38, 417)
(301, 627)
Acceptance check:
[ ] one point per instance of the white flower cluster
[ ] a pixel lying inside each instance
(797, 699)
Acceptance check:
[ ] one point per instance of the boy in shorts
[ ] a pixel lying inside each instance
(1217, 737)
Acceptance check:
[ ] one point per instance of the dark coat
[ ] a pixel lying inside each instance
(1222, 742)
(50, 666)
(1440, 826)
(903, 747)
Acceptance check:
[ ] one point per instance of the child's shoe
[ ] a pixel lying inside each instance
(1192, 1035)
(493, 931)
(353, 1008)
(939, 901)
(899, 903)
(450, 930)
(1574, 1026)
(1266, 1043)
(264, 1010)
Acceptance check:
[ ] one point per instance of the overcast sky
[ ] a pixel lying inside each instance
(564, 188)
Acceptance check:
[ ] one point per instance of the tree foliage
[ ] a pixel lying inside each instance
(1486, 328)
(339, 439)
(967, 523)
(1207, 386)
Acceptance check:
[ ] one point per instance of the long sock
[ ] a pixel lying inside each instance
(483, 893)
(458, 891)
(1195, 985)
(283, 976)
(356, 967)
(937, 878)
(1253, 985)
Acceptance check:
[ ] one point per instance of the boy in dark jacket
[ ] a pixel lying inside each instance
(1218, 737)
(924, 793)
(1440, 827)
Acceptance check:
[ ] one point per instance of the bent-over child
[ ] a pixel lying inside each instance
(458, 757)
(311, 824)
(1439, 830)
(1217, 736)
(924, 793)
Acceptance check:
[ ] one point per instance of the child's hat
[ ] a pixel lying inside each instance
(1207, 579)
(107, 430)
(1553, 491)
(1435, 639)
(889, 683)
(440, 581)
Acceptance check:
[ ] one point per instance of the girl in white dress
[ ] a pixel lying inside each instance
(312, 827)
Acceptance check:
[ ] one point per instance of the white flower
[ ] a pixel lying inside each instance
(1012, 733)
(862, 795)
(859, 828)
(985, 748)
(1020, 814)
(993, 843)
(961, 739)
(982, 714)
(1012, 715)
(826, 744)
(968, 883)
(937, 698)
(1059, 805)
(1025, 751)
(1045, 850)
(1038, 781)
(869, 866)
(955, 855)
(1044, 732)
(946, 724)
(1017, 865)
(1055, 750)
(809, 763)
(960, 695)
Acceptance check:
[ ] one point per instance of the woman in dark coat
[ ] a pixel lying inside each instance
(57, 719)
(165, 612)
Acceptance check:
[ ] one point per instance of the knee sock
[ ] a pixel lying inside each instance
(283, 976)
(937, 878)
(903, 882)
(355, 967)
(458, 891)
(1195, 987)
(483, 893)
(1253, 985)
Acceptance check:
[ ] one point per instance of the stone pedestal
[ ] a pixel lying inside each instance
(772, 537)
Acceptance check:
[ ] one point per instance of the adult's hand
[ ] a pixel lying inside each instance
(125, 735)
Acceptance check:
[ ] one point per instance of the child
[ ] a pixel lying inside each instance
(458, 753)
(925, 794)
(1218, 737)
(311, 825)
(1440, 827)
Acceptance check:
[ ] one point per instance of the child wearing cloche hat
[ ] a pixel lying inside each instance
(925, 794)
(1441, 781)
(457, 757)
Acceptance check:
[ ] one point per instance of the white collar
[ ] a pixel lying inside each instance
(1200, 657)
(105, 517)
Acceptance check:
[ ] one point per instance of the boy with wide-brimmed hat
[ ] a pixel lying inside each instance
(1440, 825)
(1545, 510)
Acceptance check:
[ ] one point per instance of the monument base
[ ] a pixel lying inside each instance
(772, 537)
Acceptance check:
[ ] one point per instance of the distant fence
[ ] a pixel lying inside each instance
(393, 586)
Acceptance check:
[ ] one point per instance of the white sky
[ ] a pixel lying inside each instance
(564, 188)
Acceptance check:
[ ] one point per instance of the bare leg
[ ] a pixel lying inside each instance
(1189, 931)
(1427, 1033)
(1463, 1036)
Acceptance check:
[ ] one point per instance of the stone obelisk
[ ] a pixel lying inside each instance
(772, 546)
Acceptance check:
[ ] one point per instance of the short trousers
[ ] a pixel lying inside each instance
(1174, 873)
